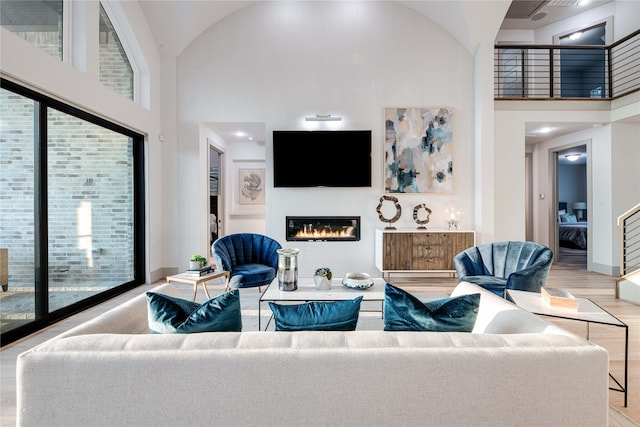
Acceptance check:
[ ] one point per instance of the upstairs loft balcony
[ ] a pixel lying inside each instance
(567, 72)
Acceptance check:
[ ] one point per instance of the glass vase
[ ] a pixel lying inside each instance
(288, 269)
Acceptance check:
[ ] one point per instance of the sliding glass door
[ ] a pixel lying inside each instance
(90, 209)
(72, 215)
(17, 210)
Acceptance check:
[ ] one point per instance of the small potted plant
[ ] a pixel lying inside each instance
(197, 262)
(322, 278)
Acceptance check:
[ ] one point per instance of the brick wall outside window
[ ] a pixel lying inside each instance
(90, 198)
(115, 69)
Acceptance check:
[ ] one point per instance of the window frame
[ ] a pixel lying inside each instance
(127, 50)
(43, 317)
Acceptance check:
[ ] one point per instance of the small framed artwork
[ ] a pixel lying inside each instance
(418, 150)
(248, 194)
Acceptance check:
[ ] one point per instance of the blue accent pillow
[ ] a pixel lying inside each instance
(317, 315)
(170, 315)
(405, 312)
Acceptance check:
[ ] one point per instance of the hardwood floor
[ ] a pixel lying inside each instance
(570, 272)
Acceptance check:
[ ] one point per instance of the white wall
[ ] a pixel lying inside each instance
(572, 185)
(279, 62)
(77, 83)
(626, 20)
(515, 36)
(253, 223)
(602, 254)
(509, 167)
(613, 154)
(593, 16)
(625, 156)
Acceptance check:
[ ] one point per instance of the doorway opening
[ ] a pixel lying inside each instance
(215, 202)
(572, 198)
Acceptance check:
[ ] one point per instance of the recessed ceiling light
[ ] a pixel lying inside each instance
(572, 157)
(582, 3)
(240, 134)
(545, 129)
(250, 138)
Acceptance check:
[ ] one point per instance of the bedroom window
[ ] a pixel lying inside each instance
(37, 21)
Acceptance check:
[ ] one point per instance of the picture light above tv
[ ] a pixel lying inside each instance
(332, 158)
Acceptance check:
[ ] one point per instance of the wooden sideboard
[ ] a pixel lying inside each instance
(420, 250)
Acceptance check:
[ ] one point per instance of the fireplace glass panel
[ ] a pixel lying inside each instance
(323, 228)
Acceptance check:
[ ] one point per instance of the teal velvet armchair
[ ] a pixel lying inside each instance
(499, 266)
(251, 259)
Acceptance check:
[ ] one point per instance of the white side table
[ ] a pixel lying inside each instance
(588, 311)
(197, 280)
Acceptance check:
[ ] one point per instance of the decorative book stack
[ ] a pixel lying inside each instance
(558, 297)
(200, 272)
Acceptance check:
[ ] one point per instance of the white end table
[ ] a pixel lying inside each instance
(197, 280)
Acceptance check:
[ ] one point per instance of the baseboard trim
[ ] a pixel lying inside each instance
(162, 273)
(607, 270)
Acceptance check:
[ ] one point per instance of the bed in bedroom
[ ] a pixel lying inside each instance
(571, 233)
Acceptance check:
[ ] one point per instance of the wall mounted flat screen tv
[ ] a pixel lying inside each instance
(339, 158)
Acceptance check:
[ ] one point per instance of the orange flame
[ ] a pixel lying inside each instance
(323, 234)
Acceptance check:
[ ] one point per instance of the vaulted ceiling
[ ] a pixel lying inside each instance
(176, 23)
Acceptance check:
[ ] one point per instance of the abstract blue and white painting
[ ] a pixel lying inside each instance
(418, 150)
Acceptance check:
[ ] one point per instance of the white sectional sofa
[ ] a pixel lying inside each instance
(514, 369)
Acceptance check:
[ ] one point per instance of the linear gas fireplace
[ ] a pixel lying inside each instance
(323, 228)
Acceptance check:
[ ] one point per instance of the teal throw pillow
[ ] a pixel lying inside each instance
(170, 315)
(568, 218)
(317, 315)
(405, 312)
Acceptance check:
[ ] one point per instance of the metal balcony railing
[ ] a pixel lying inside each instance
(629, 223)
(567, 72)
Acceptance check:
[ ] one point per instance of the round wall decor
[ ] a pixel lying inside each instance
(421, 222)
(398, 211)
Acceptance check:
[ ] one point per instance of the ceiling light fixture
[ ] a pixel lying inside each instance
(582, 3)
(545, 129)
(572, 157)
(323, 118)
(539, 16)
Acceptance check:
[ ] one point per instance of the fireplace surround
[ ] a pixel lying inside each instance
(323, 228)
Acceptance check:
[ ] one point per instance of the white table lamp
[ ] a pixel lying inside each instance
(579, 208)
